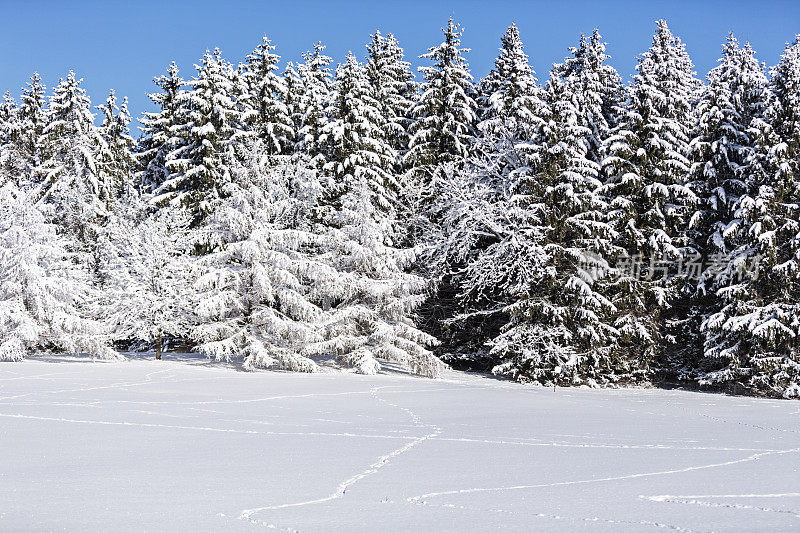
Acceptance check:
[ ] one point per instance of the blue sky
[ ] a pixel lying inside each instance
(125, 44)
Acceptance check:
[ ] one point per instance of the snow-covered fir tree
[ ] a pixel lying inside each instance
(260, 288)
(72, 187)
(11, 164)
(33, 120)
(359, 151)
(209, 124)
(159, 135)
(514, 112)
(44, 290)
(754, 329)
(371, 308)
(734, 96)
(444, 116)
(442, 132)
(479, 248)
(148, 294)
(510, 92)
(726, 167)
(587, 73)
(648, 172)
(265, 99)
(724, 176)
(393, 88)
(115, 158)
(562, 322)
(312, 107)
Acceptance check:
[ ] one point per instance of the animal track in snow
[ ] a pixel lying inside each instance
(421, 498)
(702, 500)
(382, 461)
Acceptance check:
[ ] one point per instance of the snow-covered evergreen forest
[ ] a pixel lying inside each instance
(573, 230)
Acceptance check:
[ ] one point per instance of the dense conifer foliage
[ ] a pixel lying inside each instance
(580, 231)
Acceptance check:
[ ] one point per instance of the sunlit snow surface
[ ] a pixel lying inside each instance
(190, 445)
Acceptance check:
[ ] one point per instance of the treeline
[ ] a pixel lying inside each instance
(576, 231)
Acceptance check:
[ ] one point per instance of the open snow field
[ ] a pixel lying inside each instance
(191, 445)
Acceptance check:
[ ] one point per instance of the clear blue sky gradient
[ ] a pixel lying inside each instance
(123, 45)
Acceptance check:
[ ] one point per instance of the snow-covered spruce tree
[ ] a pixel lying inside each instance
(562, 322)
(283, 290)
(600, 88)
(43, 289)
(732, 110)
(511, 99)
(648, 171)
(513, 115)
(260, 286)
(312, 107)
(159, 136)
(392, 86)
(72, 188)
(723, 149)
(371, 307)
(444, 116)
(719, 148)
(148, 293)
(776, 361)
(358, 148)
(33, 120)
(208, 127)
(268, 114)
(11, 164)
(292, 99)
(442, 131)
(485, 246)
(754, 331)
(785, 117)
(115, 158)
(485, 218)
(441, 128)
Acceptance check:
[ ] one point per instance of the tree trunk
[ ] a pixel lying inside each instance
(158, 346)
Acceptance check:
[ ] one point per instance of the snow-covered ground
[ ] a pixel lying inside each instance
(189, 445)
